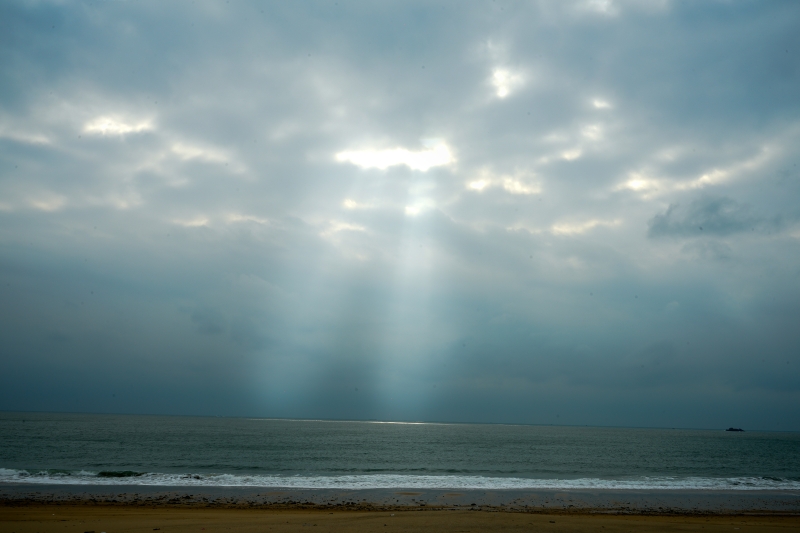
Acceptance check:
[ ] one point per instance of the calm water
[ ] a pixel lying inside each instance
(114, 449)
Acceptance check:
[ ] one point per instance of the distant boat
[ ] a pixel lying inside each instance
(734, 429)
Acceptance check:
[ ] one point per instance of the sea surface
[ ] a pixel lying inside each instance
(42, 448)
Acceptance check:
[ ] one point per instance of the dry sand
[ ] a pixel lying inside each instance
(59, 518)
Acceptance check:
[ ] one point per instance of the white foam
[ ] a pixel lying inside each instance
(395, 481)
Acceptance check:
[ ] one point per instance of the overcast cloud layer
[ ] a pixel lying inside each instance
(533, 212)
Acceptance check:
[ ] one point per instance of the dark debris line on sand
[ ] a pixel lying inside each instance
(579, 502)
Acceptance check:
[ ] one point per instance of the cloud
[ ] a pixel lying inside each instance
(24, 137)
(336, 226)
(567, 228)
(238, 217)
(521, 183)
(714, 216)
(708, 249)
(272, 200)
(603, 7)
(650, 186)
(209, 321)
(187, 152)
(195, 222)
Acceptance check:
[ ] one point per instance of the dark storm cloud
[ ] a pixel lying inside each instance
(479, 212)
(709, 216)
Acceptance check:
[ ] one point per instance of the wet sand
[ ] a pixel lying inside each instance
(105, 518)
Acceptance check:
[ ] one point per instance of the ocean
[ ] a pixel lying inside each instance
(87, 449)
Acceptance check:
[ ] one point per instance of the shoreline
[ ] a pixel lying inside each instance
(599, 501)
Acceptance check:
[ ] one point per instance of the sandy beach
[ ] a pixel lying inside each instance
(56, 518)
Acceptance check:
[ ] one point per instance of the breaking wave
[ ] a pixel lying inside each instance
(387, 481)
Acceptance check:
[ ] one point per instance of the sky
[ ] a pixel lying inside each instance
(526, 212)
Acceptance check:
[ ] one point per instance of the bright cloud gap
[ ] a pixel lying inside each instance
(505, 82)
(422, 160)
(109, 125)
